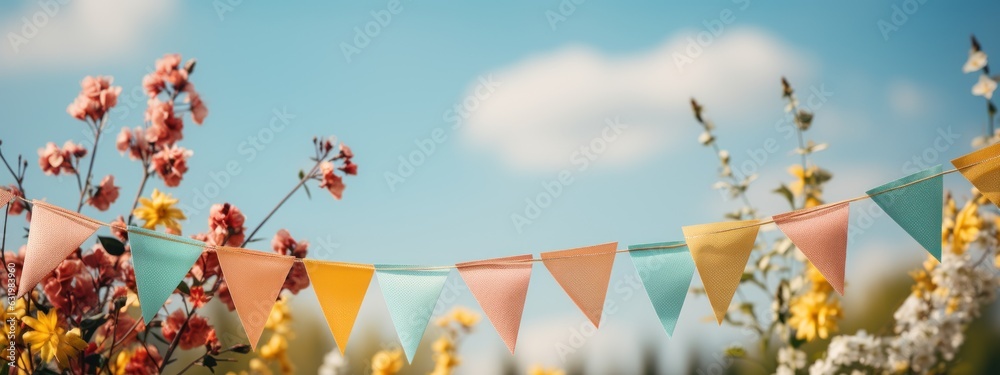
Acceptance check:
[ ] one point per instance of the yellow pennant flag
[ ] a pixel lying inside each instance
(721, 251)
(340, 288)
(982, 169)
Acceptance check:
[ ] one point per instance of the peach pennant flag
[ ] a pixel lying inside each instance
(500, 286)
(584, 273)
(5, 196)
(54, 234)
(720, 252)
(340, 288)
(821, 234)
(254, 279)
(982, 169)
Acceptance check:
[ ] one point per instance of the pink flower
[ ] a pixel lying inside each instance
(170, 164)
(96, 98)
(225, 222)
(74, 149)
(133, 142)
(143, 361)
(169, 63)
(345, 152)
(16, 206)
(116, 229)
(165, 128)
(195, 334)
(153, 84)
(104, 263)
(349, 168)
(331, 181)
(198, 109)
(197, 296)
(70, 288)
(284, 244)
(52, 160)
(105, 195)
(225, 297)
(208, 264)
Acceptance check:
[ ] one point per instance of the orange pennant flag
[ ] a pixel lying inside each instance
(821, 234)
(584, 273)
(982, 169)
(340, 288)
(720, 252)
(55, 233)
(255, 279)
(500, 286)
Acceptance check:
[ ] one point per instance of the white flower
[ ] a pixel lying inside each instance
(706, 138)
(333, 364)
(792, 358)
(977, 60)
(984, 87)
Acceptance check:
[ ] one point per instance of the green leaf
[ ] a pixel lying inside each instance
(210, 362)
(308, 194)
(112, 245)
(183, 288)
(785, 192)
(89, 325)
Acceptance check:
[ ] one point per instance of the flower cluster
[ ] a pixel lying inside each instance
(978, 61)
(96, 98)
(456, 323)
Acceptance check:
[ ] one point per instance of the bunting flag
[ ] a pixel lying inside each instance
(340, 289)
(410, 296)
(982, 169)
(916, 208)
(54, 234)
(720, 252)
(500, 286)
(254, 279)
(666, 274)
(161, 261)
(584, 273)
(821, 234)
(5, 197)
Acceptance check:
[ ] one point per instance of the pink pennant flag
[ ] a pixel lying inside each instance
(821, 234)
(55, 233)
(255, 279)
(500, 286)
(584, 274)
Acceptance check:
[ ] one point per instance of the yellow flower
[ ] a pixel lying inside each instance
(443, 344)
(275, 347)
(280, 317)
(465, 317)
(814, 315)
(801, 178)
(967, 225)
(539, 370)
(159, 211)
(52, 341)
(924, 283)
(387, 362)
(816, 279)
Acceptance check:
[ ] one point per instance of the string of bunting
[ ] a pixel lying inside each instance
(718, 251)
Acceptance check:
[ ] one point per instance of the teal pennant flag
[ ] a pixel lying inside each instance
(160, 260)
(916, 207)
(410, 296)
(666, 274)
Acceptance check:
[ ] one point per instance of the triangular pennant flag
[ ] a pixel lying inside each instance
(666, 274)
(54, 234)
(584, 274)
(5, 197)
(500, 286)
(821, 234)
(254, 279)
(982, 169)
(410, 294)
(340, 288)
(161, 261)
(916, 207)
(720, 251)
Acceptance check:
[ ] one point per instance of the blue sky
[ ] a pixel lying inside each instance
(891, 98)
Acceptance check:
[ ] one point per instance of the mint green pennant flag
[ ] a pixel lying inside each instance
(666, 274)
(160, 260)
(917, 207)
(411, 296)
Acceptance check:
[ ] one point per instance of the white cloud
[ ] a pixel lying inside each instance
(59, 33)
(550, 105)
